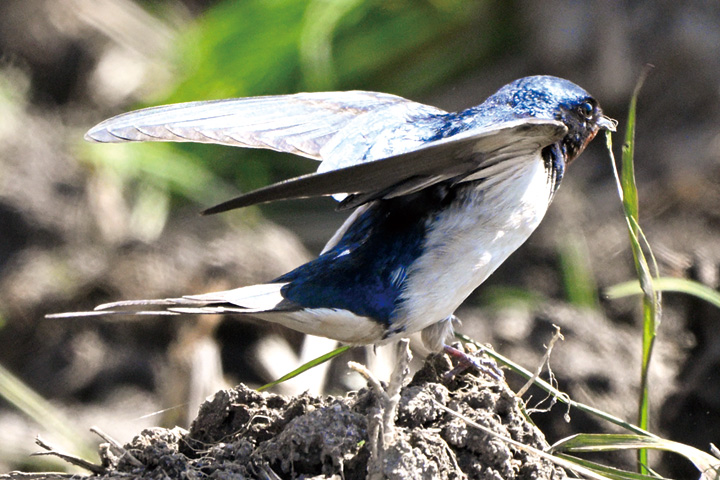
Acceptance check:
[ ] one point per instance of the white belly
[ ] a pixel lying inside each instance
(341, 325)
(472, 238)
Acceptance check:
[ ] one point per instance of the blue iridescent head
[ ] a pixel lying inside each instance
(544, 96)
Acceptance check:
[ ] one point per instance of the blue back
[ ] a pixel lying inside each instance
(365, 272)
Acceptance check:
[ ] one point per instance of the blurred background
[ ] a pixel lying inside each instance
(83, 224)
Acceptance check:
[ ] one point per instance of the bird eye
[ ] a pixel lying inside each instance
(586, 109)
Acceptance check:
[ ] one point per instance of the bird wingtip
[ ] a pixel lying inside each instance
(100, 134)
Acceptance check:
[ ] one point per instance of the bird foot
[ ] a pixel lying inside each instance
(476, 361)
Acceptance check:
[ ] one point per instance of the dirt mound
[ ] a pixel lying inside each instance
(241, 433)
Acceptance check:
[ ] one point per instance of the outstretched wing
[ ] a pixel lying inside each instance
(372, 144)
(301, 124)
(459, 156)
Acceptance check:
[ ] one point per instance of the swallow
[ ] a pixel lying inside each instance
(438, 199)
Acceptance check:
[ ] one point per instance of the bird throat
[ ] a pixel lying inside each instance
(555, 162)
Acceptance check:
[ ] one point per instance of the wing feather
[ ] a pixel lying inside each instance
(456, 156)
(301, 124)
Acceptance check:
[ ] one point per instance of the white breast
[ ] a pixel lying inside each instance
(471, 238)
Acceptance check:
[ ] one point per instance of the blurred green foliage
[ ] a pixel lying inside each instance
(258, 47)
(578, 277)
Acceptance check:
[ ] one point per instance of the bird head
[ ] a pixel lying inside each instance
(544, 96)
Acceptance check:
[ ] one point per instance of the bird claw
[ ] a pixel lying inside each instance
(476, 361)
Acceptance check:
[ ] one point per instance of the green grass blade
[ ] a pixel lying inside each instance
(708, 465)
(651, 299)
(560, 396)
(667, 284)
(306, 366)
(25, 399)
(609, 472)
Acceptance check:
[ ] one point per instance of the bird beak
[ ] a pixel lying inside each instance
(606, 123)
(602, 123)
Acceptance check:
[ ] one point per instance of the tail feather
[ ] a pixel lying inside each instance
(211, 310)
(162, 302)
(263, 301)
(252, 299)
(102, 313)
(260, 298)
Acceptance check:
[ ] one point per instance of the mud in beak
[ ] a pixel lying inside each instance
(606, 123)
(602, 123)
